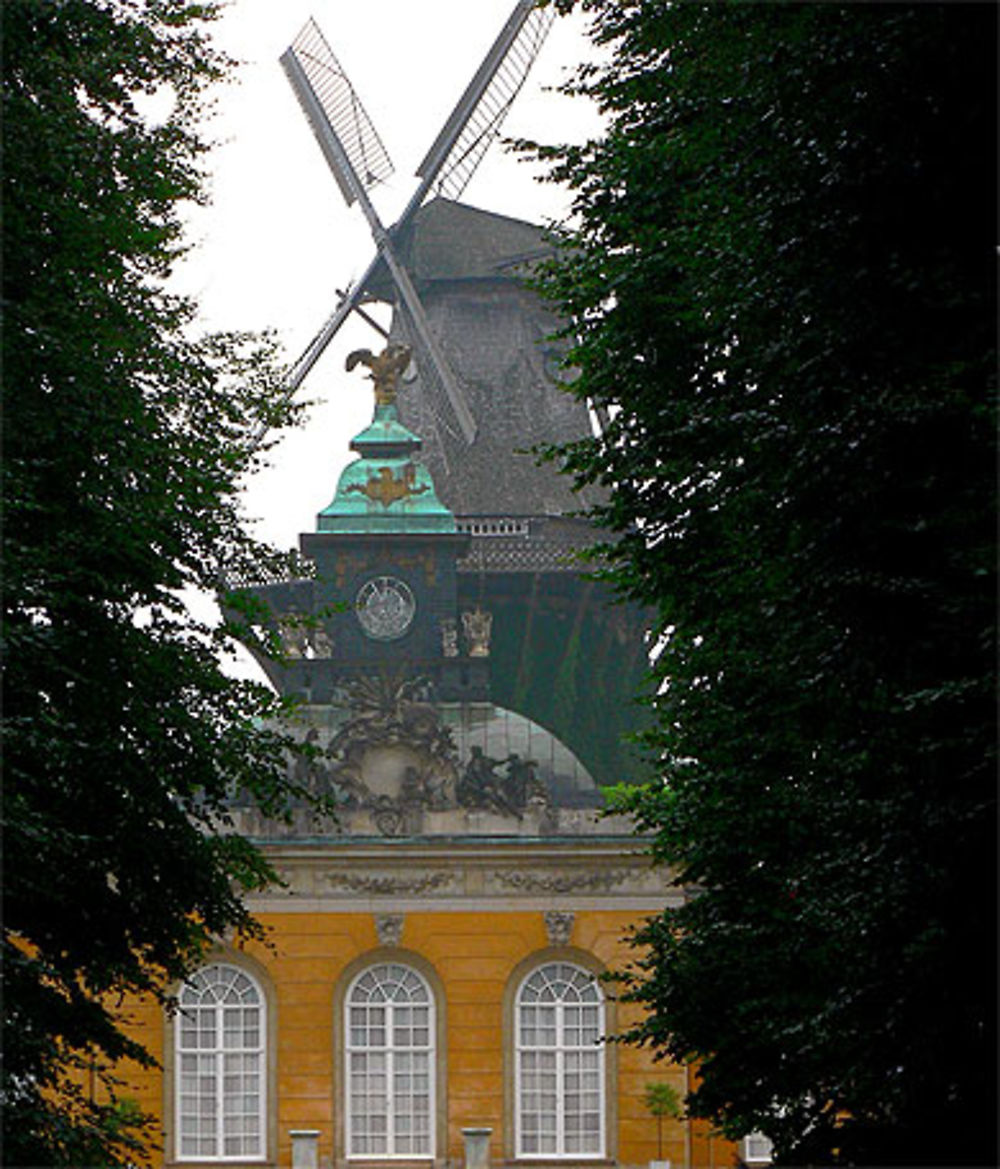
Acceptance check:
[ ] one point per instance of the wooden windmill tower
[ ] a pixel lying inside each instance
(482, 390)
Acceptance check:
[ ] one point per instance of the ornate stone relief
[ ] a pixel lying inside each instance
(301, 637)
(449, 638)
(322, 643)
(480, 787)
(389, 928)
(294, 636)
(411, 884)
(395, 759)
(558, 926)
(542, 882)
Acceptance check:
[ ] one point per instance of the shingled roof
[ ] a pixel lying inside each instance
(469, 267)
(453, 241)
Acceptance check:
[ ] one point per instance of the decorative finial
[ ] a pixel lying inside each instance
(385, 369)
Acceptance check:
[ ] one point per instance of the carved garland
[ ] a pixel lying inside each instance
(553, 883)
(390, 885)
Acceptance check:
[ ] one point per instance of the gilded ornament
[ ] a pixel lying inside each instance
(387, 488)
(385, 369)
(477, 625)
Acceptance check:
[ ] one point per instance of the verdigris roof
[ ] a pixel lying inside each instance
(385, 489)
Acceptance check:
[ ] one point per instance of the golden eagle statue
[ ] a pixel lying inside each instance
(385, 369)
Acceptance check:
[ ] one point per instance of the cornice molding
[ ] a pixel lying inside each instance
(518, 875)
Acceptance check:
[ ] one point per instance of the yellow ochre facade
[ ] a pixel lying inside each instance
(474, 959)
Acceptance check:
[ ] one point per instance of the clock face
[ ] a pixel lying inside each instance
(385, 607)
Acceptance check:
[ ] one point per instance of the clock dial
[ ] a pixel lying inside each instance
(385, 607)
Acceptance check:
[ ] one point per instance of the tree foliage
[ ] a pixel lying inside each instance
(661, 1099)
(780, 287)
(125, 440)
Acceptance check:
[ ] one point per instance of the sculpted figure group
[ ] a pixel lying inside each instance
(481, 787)
(393, 713)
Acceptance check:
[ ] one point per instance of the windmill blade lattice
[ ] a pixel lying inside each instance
(310, 54)
(477, 119)
(332, 110)
(358, 160)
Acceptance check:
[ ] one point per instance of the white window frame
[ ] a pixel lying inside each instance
(561, 1050)
(218, 1052)
(390, 970)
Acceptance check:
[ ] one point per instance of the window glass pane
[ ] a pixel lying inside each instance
(388, 1062)
(560, 1104)
(219, 1084)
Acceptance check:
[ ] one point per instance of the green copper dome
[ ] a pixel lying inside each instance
(385, 490)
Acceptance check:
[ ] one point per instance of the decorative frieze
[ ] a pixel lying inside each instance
(382, 885)
(399, 877)
(563, 882)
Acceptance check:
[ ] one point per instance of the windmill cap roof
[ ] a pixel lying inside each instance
(446, 240)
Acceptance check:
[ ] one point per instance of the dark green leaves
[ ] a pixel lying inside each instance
(780, 288)
(126, 438)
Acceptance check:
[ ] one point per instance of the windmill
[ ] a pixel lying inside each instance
(483, 391)
(359, 161)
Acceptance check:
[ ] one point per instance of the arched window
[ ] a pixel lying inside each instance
(220, 1036)
(390, 1064)
(560, 1064)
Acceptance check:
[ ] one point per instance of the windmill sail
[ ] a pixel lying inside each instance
(335, 113)
(358, 160)
(477, 118)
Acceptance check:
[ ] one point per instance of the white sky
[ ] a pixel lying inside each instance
(278, 239)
